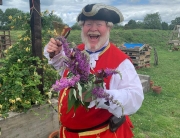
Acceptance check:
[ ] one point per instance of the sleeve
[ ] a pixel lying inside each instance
(127, 91)
(57, 62)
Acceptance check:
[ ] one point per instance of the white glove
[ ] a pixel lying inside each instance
(112, 108)
(99, 103)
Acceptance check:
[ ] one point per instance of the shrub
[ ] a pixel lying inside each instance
(19, 79)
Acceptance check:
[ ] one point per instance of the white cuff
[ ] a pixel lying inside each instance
(117, 112)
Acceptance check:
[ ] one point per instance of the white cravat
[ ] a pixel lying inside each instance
(93, 58)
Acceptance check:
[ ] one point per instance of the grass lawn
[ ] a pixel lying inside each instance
(159, 115)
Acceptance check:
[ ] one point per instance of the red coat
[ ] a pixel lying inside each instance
(110, 58)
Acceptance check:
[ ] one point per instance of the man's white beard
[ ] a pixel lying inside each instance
(99, 45)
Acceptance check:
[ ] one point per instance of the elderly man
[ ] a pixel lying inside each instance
(100, 121)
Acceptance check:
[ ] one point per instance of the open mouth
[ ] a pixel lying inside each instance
(94, 36)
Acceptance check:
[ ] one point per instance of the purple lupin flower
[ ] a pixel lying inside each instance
(65, 46)
(107, 72)
(65, 83)
(79, 64)
(83, 65)
(99, 92)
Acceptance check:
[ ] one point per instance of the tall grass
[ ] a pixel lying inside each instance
(159, 115)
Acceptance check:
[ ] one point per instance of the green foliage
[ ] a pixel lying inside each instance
(140, 25)
(47, 18)
(10, 12)
(1, 17)
(20, 21)
(118, 26)
(1, 12)
(14, 19)
(76, 27)
(152, 21)
(164, 26)
(146, 36)
(75, 36)
(19, 79)
(131, 25)
(175, 22)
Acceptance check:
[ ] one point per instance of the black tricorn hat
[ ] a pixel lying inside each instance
(100, 12)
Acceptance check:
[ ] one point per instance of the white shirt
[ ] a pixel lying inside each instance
(127, 90)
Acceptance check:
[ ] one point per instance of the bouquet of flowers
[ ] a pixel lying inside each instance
(82, 83)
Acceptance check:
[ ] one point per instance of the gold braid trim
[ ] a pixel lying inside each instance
(63, 132)
(94, 132)
(60, 103)
(104, 49)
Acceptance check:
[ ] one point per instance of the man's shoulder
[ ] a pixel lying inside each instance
(117, 52)
(114, 47)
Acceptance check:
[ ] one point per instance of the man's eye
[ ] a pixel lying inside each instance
(88, 24)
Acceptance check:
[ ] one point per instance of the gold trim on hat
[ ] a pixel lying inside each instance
(97, 7)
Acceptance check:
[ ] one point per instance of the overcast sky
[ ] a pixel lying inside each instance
(131, 9)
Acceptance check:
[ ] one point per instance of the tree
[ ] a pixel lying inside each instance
(8, 16)
(171, 27)
(164, 26)
(76, 27)
(1, 18)
(174, 22)
(152, 21)
(19, 20)
(10, 12)
(47, 18)
(131, 25)
(140, 24)
(117, 26)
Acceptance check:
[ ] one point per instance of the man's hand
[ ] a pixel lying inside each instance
(99, 103)
(54, 46)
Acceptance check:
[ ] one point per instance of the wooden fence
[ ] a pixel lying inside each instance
(5, 41)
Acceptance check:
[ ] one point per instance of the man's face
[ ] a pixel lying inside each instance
(94, 34)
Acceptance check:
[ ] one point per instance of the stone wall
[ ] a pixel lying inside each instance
(38, 122)
(145, 81)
